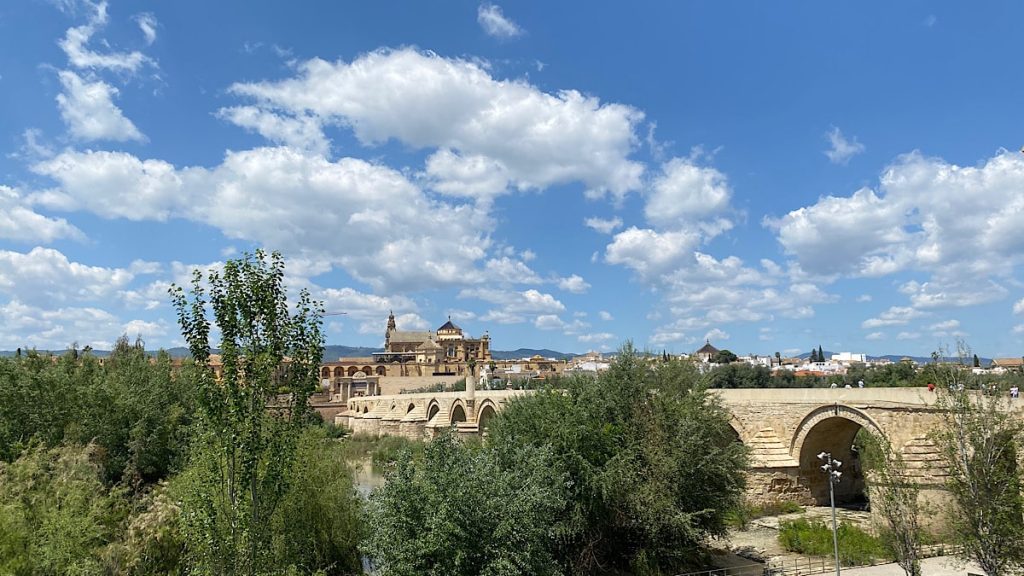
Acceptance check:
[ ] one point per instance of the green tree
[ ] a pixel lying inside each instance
(821, 354)
(977, 361)
(251, 413)
(814, 355)
(979, 440)
(55, 514)
(895, 496)
(464, 511)
(724, 357)
(651, 459)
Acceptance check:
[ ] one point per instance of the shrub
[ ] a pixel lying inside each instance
(814, 538)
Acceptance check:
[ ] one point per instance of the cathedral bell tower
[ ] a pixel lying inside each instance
(391, 328)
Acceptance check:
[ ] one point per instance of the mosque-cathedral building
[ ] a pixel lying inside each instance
(419, 358)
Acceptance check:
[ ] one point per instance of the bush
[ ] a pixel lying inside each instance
(651, 459)
(814, 538)
(462, 510)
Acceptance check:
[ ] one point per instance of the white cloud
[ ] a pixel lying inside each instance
(864, 298)
(302, 132)
(46, 276)
(548, 322)
(668, 337)
(596, 337)
(366, 218)
(1018, 308)
(908, 335)
(147, 24)
(604, 315)
(54, 328)
(604, 226)
(842, 149)
(426, 101)
(474, 176)
(685, 193)
(88, 109)
(894, 316)
(20, 223)
(917, 221)
(144, 329)
(76, 39)
(1018, 329)
(495, 23)
(716, 334)
(875, 336)
(508, 270)
(526, 302)
(575, 284)
(649, 252)
(945, 325)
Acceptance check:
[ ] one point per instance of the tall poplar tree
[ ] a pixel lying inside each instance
(252, 408)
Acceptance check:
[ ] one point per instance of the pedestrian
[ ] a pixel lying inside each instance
(931, 387)
(1014, 392)
(860, 383)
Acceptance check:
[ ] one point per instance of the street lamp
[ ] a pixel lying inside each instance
(831, 468)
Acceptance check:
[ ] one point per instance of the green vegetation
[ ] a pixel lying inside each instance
(814, 538)
(980, 442)
(894, 496)
(462, 510)
(382, 452)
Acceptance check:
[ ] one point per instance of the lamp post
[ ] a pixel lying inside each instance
(831, 468)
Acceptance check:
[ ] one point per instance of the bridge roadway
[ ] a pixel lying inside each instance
(784, 428)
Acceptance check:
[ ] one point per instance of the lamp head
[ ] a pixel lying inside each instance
(836, 463)
(823, 456)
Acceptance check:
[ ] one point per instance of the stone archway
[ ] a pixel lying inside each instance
(832, 429)
(487, 412)
(432, 410)
(325, 372)
(458, 414)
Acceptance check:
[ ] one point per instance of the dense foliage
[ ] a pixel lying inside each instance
(464, 510)
(894, 497)
(980, 441)
(119, 465)
(814, 538)
(651, 461)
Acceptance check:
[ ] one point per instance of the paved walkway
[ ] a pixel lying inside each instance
(938, 566)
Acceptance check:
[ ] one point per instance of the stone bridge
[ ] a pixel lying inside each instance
(784, 428)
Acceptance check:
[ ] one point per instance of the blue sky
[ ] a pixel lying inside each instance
(769, 176)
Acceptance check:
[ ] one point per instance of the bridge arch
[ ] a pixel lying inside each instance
(432, 409)
(487, 411)
(832, 428)
(457, 413)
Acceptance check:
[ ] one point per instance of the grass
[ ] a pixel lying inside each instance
(814, 538)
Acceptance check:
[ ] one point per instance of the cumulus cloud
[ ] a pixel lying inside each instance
(841, 149)
(427, 101)
(875, 336)
(574, 283)
(369, 219)
(55, 328)
(908, 335)
(473, 176)
(685, 193)
(88, 109)
(649, 252)
(20, 223)
(716, 334)
(894, 316)
(1018, 308)
(495, 23)
(605, 315)
(509, 270)
(604, 225)
(302, 132)
(529, 301)
(45, 276)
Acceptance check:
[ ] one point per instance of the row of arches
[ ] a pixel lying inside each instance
(340, 372)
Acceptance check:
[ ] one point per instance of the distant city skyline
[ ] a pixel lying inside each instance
(766, 176)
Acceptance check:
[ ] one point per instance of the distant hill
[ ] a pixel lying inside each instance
(528, 352)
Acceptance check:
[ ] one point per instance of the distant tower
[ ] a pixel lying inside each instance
(391, 328)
